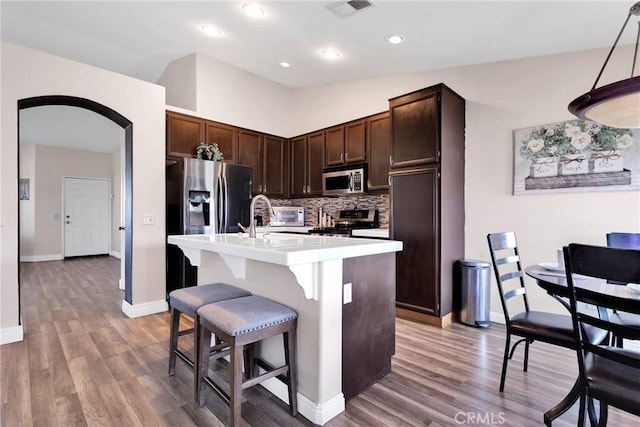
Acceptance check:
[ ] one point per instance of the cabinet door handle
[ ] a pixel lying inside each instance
(304, 190)
(264, 188)
(390, 160)
(346, 156)
(308, 189)
(389, 180)
(342, 157)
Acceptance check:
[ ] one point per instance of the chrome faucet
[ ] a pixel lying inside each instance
(252, 227)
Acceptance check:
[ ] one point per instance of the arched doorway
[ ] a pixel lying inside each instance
(127, 126)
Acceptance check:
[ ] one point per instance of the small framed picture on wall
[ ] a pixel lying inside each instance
(23, 189)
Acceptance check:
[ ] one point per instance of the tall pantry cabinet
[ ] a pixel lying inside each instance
(427, 199)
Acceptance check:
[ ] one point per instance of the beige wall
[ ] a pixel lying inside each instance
(227, 94)
(179, 78)
(51, 165)
(27, 73)
(27, 207)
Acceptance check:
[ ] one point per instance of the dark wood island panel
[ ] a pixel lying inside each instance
(368, 322)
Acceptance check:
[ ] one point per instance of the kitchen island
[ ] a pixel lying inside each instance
(343, 290)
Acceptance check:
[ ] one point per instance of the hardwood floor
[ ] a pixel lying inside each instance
(83, 362)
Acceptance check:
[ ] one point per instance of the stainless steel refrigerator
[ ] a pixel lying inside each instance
(203, 197)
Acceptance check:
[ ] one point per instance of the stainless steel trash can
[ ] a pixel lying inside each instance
(474, 292)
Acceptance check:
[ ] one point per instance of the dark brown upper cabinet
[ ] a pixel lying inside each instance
(378, 151)
(346, 143)
(307, 160)
(250, 154)
(415, 130)
(185, 133)
(225, 136)
(267, 156)
(275, 161)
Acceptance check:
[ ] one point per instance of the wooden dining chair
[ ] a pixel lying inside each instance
(527, 324)
(623, 240)
(608, 374)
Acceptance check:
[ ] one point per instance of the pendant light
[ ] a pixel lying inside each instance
(616, 104)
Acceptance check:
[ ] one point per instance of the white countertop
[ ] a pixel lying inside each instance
(286, 249)
(381, 233)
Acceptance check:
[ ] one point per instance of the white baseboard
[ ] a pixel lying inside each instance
(38, 258)
(115, 254)
(144, 309)
(317, 413)
(11, 334)
(496, 317)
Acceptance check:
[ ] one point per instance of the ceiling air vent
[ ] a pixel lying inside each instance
(348, 8)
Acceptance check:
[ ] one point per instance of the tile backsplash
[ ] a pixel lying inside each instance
(332, 205)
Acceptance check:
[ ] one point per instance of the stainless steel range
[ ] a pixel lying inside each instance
(349, 220)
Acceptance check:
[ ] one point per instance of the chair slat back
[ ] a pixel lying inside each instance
(514, 293)
(615, 264)
(623, 240)
(508, 270)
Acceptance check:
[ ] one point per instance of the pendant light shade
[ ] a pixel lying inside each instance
(616, 104)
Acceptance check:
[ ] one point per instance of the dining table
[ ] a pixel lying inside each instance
(553, 280)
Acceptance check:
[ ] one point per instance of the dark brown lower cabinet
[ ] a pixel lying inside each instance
(414, 221)
(368, 322)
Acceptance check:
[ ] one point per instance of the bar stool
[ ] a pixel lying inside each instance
(242, 322)
(188, 301)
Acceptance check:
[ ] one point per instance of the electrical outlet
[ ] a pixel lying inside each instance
(147, 219)
(347, 293)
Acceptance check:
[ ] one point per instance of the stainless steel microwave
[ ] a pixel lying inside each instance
(288, 216)
(343, 180)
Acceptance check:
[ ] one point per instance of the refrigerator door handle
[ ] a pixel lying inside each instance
(226, 204)
(219, 207)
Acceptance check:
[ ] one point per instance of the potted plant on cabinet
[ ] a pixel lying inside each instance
(209, 152)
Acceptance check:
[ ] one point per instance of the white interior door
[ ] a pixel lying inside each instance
(86, 216)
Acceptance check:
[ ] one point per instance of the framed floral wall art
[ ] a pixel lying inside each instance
(576, 155)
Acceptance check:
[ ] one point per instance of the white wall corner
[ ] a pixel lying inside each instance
(11, 334)
(144, 309)
(179, 81)
(115, 254)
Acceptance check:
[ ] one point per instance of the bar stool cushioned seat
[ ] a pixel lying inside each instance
(241, 322)
(187, 301)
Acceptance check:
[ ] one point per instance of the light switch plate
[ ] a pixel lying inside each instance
(147, 219)
(347, 294)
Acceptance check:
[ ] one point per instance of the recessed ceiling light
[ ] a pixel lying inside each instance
(330, 54)
(284, 64)
(252, 10)
(211, 31)
(395, 38)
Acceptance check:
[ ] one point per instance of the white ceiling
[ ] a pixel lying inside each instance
(140, 38)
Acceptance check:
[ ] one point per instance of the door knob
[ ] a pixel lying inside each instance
(120, 228)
